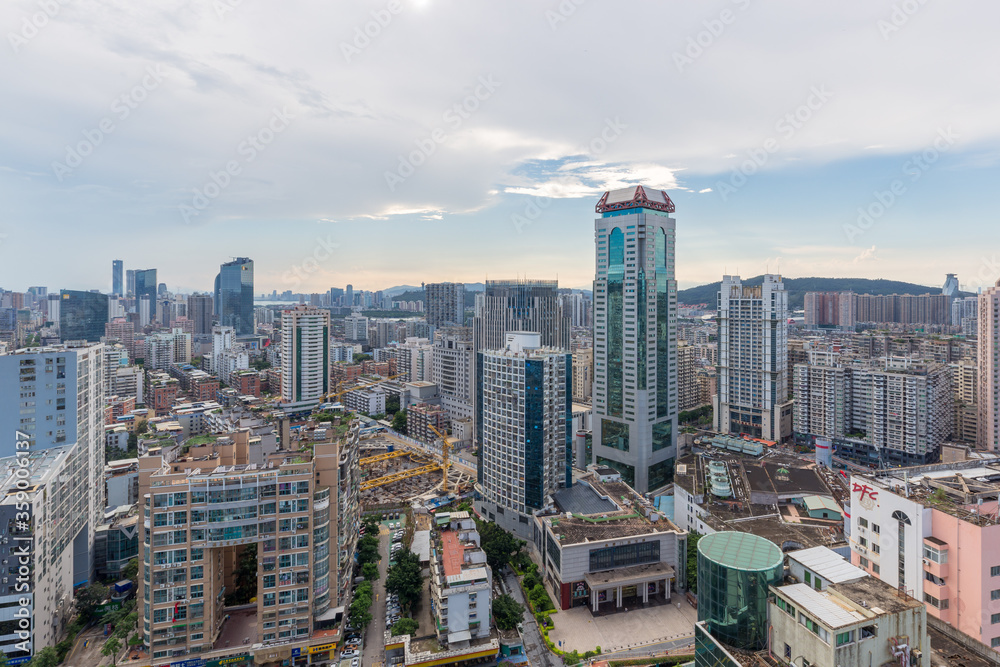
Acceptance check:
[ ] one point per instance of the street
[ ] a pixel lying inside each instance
(374, 653)
(534, 644)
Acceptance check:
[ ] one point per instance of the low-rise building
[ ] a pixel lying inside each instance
(606, 544)
(121, 482)
(461, 582)
(116, 541)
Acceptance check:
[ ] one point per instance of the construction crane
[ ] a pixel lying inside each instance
(445, 447)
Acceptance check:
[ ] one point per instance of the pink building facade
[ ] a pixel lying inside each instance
(933, 545)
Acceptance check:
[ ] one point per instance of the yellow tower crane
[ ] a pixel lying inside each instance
(445, 447)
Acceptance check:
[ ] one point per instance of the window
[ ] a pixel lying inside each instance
(995, 642)
(935, 555)
(863, 522)
(875, 528)
(995, 595)
(994, 619)
(942, 604)
(845, 638)
(995, 571)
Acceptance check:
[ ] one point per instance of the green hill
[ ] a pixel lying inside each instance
(797, 288)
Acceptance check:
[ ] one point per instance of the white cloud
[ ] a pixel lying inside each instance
(866, 254)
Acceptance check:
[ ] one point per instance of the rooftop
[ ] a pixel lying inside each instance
(827, 608)
(828, 564)
(968, 490)
(594, 511)
(636, 196)
(742, 551)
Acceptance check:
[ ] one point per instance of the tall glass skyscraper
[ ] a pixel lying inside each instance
(117, 277)
(145, 288)
(82, 315)
(635, 337)
(234, 296)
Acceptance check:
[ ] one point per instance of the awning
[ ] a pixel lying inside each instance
(626, 576)
(331, 614)
(462, 636)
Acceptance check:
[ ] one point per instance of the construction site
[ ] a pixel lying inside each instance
(397, 470)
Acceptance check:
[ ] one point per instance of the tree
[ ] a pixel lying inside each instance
(399, 422)
(692, 560)
(368, 548)
(404, 578)
(507, 612)
(405, 626)
(499, 545)
(125, 625)
(111, 648)
(370, 571)
(47, 657)
(391, 405)
(360, 356)
(131, 570)
(89, 598)
(244, 578)
(360, 614)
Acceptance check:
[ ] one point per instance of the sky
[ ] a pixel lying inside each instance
(404, 141)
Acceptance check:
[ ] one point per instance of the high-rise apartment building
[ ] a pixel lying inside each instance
(445, 304)
(524, 422)
(117, 279)
(830, 310)
(234, 296)
(356, 328)
(988, 360)
(635, 337)
(52, 423)
(200, 310)
(454, 370)
(892, 411)
(163, 349)
(964, 392)
(297, 510)
(688, 396)
(145, 291)
(305, 357)
(583, 376)
(753, 359)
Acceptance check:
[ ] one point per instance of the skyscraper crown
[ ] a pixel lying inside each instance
(635, 196)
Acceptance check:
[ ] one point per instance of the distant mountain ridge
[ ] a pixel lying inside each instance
(797, 288)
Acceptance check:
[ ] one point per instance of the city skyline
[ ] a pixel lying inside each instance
(774, 170)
